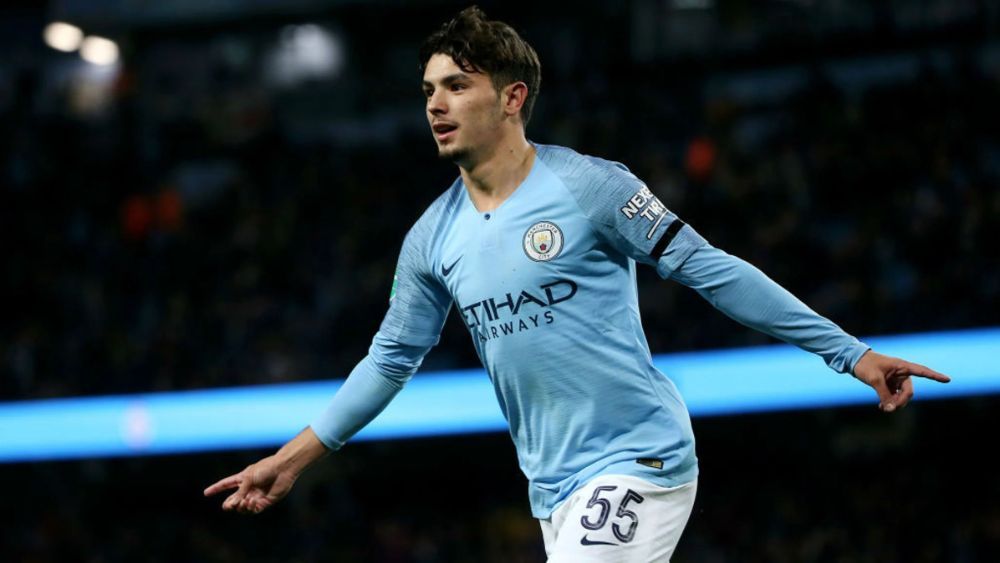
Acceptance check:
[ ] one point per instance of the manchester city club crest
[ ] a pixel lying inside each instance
(543, 241)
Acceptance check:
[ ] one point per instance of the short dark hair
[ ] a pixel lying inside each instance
(480, 45)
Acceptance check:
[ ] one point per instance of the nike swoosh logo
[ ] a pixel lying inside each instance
(585, 541)
(447, 270)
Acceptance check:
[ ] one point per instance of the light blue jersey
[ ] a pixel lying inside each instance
(546, 285)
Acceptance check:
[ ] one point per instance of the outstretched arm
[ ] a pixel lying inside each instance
(636, 223)
(417, 309)
(745, 294)
(372, 385)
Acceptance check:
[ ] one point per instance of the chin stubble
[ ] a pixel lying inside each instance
(454, 155)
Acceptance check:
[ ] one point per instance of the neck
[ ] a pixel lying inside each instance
(492, 179)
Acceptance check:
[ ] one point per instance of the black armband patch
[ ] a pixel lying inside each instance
(668, 235)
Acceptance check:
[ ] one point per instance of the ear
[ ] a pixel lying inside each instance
(513, 97)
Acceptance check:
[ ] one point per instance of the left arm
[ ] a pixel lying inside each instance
(745, 294)
(749, 297)
(636, 223)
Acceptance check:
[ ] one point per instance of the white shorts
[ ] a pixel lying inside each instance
(618, 518)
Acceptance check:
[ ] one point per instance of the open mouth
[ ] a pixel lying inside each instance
(443, 130)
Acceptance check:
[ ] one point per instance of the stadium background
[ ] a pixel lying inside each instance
(223, 206)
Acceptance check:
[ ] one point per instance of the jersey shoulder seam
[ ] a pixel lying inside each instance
(595, 165)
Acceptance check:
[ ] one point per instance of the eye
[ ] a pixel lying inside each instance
(457, 87)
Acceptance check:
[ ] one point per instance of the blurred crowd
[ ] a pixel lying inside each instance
(195, 234)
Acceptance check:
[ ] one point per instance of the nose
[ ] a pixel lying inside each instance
(436, 104)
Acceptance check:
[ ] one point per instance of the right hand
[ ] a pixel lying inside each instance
(258, 487)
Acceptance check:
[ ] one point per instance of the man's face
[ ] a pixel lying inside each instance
(463, 109)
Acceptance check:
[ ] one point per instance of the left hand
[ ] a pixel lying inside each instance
(890, 377)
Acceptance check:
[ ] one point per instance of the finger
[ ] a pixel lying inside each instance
(924, 371)
(230, 482)
(258, 504)
(245, 480)
(903, 393)
(232, 501)
(245, 483)
(884, 396)
(241, 500)
(249, 504)
(900, 384)
(895, 378)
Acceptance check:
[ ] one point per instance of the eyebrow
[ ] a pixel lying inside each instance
(450, 79)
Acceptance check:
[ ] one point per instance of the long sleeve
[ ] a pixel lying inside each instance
(418, 306)
(745, 294)
(372, 385)
(636, 223)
